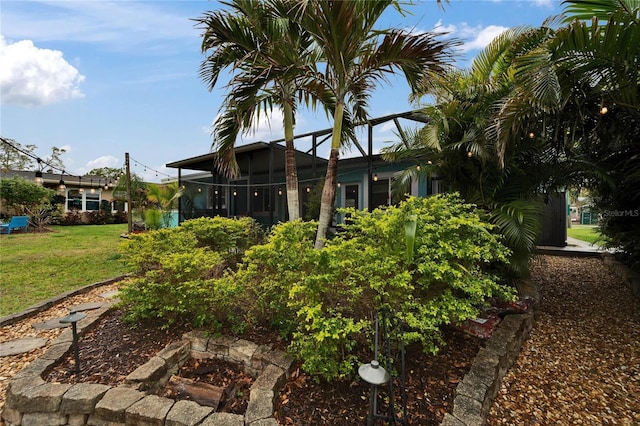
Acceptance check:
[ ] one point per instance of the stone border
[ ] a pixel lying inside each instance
(626, 274)
(31, 400)
(43, 306)
(478, 389)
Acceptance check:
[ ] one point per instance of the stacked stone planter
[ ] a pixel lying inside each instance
(478, 389)
(32, 401)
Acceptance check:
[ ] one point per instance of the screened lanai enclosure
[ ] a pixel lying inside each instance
(259, 191)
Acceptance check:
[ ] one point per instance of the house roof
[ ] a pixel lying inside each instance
(259, 152)
(87, 181)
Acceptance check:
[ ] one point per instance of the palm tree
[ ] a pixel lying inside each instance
(165, 198)
(458, 144)
(580, 91)
(268, 52)
(355, 58)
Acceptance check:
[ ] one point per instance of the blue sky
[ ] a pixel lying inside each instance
(101, 78)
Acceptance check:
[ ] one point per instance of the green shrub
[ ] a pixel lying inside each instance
(270, 270)
(179, 278)
(153, 218)
(181, 290)
(229, 237)
(428, 260)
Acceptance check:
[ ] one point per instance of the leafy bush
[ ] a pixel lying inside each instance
(229, 237)
(20, 194)
(269, 271)
(70, 218)
(427, 262)
(153, 218)
(178, 277)
(428, 259)
(98, 217)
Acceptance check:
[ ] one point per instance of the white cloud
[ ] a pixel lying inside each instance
(31, 76)
(544, 3)
(443, 29)
(267, 127)
(117, 23)
(104, 161)
(484, 37)
(477, 37)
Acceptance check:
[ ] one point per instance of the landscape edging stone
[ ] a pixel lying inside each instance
(630, 278)
(479, 387)
(29, 398)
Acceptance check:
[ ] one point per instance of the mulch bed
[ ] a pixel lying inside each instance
(112, 350)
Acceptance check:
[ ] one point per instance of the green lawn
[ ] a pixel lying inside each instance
(588, 233)
(37, 266)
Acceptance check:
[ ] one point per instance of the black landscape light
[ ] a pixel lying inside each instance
(73, 319)
(376, 375)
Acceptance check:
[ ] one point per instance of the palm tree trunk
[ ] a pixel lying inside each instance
(329, 189)
(293, 200)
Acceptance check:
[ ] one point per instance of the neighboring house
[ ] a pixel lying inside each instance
(364, 182)
(82, 193)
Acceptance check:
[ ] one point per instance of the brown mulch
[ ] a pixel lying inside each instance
(112, 350)
(581, 364)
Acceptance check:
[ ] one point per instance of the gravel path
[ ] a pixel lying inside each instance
(581, 364)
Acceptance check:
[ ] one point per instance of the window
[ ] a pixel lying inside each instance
(260, 199)
(74, 200)
(381, 193)
(93, 201)
(352, 196)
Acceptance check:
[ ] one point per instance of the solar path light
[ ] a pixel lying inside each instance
(72, 319)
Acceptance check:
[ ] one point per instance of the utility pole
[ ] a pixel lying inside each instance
(129, 203)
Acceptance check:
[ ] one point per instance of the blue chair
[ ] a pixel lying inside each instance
(16, 222)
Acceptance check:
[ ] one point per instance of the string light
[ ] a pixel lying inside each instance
(375, 177)
(61, 185)
(604, 110)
